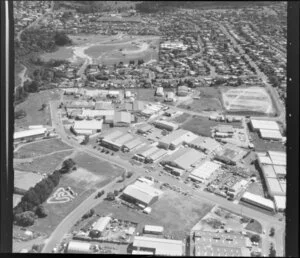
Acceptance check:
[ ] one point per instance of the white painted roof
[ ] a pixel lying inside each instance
(258, 199)
(280, 202)
(101, 223)
(88, 125)
(151, 228)
(270, 134)
(161, 246)
(264, 124)
(28, 133)
(205, 170)
(78, 247)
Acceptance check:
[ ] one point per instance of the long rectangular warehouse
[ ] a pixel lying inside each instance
(259, 201)
(123, 139)
(148, 152)
(166, 125)
(132, 144)
(160, 246)
(158, 154)
(264, 124)
(187, 158)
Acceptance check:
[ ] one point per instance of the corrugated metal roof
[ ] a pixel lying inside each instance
(268, 171)
(156, 155)
(133, 144)
(190, 157)
(88, 125)
(149, 151)
(274, 186)
(280, 202)
(270, 134)
(101, 223)
(113, 135)
(264, 124)
(161, 246)
(205, 170)
(122, 117)
(151, 228)
(123, 139)
(279, 170)
(78, 247)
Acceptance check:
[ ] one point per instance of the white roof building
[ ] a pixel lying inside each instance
(88, 125)
(177, 137)
(270, 134)
(258, 200)
(29, 133)
(101, 223)
(77, 247)
(160, 246)
(98, 112)
(153, 229)
(264, 124)
(280, 202)
(204, 171)
(188, 158)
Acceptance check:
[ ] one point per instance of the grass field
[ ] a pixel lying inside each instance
(40, 148)
(254, 226)
(46, 164)
(177, 214)
(62, 53)
(200, 125)
(181, 118)
(264, 145)
(32, 105)
(147, 95)
(91, 174)
(25, 180)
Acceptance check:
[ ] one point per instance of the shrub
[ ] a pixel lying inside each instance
(41, 212)
(20, 114)
(110, 196)
(255, 238)
(129, 174)
(25, 219)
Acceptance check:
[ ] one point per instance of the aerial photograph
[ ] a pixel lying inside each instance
(150, 127)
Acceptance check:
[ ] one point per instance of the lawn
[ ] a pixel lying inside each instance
(256, 188)
(181, 118)
(200, 125)
(32, 106)
(46, 164)
(147, 95)
(209, 100)
(62, 53)
(25, 180)
(40, 148)
(254, 226)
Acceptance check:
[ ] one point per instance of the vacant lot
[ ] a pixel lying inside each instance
(40, 148)
(181, 118)
(147, 95)
(32, 106)
(25, 180)
(188, 212)
(254, 226)
(209, 100)
(265, 145)
(46, 164)
(62, 53)
(91, 174)
(200, 125)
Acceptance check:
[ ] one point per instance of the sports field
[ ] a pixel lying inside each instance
(108, 50)
(254, 99)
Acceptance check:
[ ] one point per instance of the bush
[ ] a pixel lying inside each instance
(25, 219)
(41, 212)
(129, 174)
(32, 86)
(272, 232)
(116, 192)
(110, 196)
(89, 214)
(62, 39)
(67, 165)
(255, 238)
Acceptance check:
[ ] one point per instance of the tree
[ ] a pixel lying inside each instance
(272, 232)
(129, 174)
(62, 39)
(25, 219)
(116, 192)
(255, 238)
(110, 196)
(41, 212)
(272, 251)
(43, 107)
(32, 86)
(67, 165)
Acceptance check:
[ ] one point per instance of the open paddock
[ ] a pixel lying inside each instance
(46, 164)
(40, 148)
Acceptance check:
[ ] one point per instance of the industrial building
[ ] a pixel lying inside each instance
(205, 144)
(161, 124)
(280, 203)
(144, 129)
(183, 91)
(100, 113)
(156, 230)
(273, 167)
(158, 246)
(156, 155)
(103, 105)
(122, 119)
(101, 224)
(88, 126)
(129, 146)
(207, 243)
(151, 109)
(76, 247)
(136, 106)
(141, 194)
(176, 138)
(159, 91)
(269, 130)
(173, 45)
(29, 135)
(258, 201)
(204, 171)
(116, 140)
(150, 155)
(80, 104)
(185, 159)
